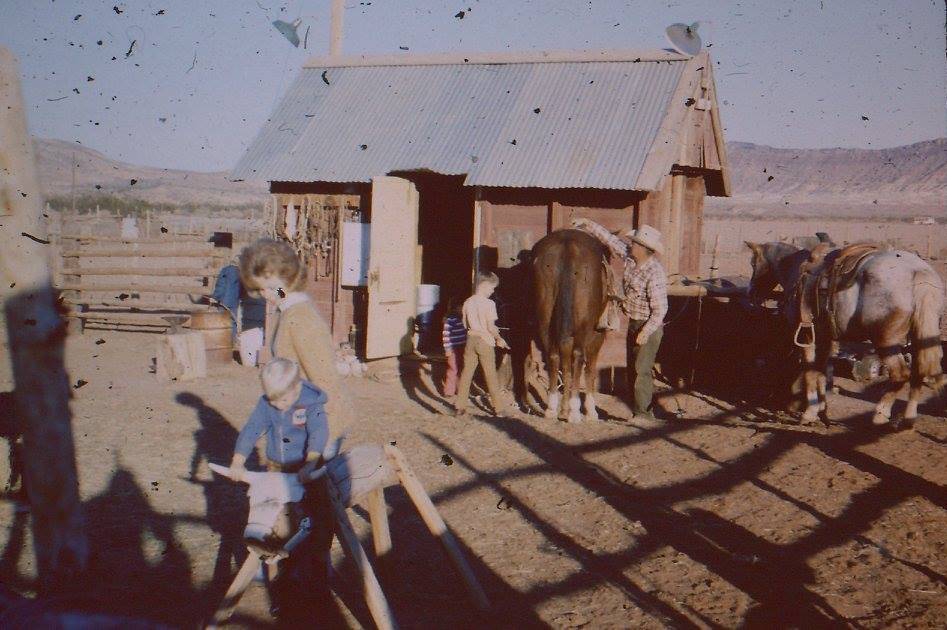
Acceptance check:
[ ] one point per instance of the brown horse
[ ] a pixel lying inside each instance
(570, 292)
(893, 297)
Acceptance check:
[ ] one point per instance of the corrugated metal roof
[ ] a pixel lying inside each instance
(595, 125)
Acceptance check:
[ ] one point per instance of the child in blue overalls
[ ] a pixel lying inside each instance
(292, 416)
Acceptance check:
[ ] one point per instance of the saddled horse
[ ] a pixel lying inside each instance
(570, 288)
(889, 297)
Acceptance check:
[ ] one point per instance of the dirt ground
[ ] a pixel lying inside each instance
(722, 516)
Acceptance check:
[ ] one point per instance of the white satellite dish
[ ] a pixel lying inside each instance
(684, 38)
(288, 30)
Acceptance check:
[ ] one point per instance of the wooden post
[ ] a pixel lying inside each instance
(713, 259)
(436, 524)
(237, 588)
(35, 335)
(377, 604)
(378, 513)
(672, 238)
(335, 42)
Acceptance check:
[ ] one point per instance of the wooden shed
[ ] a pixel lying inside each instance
(459, 163)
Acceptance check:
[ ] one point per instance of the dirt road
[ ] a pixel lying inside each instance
(719, 518)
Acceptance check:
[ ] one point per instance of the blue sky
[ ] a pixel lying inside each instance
(791, 74)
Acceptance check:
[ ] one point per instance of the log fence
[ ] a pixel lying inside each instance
(108, 279)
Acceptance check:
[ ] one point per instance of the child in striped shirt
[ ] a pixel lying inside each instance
(454, 338)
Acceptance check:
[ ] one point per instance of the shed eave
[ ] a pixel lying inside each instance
(494, 58)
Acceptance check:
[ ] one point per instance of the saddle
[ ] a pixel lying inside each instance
(822, 276)
(615, 296)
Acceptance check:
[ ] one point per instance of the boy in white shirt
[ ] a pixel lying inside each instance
(480, 316)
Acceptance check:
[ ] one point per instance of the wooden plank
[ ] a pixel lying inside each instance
(378, 513)
(164, 252)
(674, 236)
(436, 524)
(374, 596)
(240, 583)
(169, 239)
(131, 287)
(184, 272)
(141, 319)
(181, 356)
(178, 307)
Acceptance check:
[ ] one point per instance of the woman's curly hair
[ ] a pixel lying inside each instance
(270, 257)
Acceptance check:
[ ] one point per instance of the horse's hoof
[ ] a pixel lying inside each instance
(880, 419)
(550, 413)
(811, 415)
(592, 417)
(575, 418)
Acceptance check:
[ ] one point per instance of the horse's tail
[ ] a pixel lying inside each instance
(925, 327)
(563, 308)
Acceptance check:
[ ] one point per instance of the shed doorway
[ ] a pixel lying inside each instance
(445, 233)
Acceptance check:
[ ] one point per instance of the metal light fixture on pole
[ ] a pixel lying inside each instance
(290, 30)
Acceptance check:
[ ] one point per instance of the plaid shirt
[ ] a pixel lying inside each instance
(646, 286)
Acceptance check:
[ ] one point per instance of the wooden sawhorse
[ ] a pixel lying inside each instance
(347, 486)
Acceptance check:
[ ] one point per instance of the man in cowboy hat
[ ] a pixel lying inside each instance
(645, 302)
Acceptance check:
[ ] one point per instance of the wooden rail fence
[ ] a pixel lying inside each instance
(110, 281)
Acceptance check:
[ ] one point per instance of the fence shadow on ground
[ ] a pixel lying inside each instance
(139, 568)
(776, 576)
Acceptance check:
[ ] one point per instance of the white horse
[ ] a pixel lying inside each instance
(894, 298)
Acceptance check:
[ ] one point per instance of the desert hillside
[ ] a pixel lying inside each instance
(97, 175)
(901, 181)
(897, 182)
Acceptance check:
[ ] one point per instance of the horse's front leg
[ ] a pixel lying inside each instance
(552, 371)
(826, 379)
(813, 381)
(914, 397)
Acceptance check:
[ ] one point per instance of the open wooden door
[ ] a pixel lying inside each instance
(392, 281)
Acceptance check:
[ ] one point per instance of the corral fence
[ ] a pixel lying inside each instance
(133, 272)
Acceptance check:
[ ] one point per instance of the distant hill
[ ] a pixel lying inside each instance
(901, 181)
(898, 182)
(97, 175)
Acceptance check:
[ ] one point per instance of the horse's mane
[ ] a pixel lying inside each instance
(783, 249)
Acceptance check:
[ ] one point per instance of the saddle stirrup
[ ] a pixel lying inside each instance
(811, 328)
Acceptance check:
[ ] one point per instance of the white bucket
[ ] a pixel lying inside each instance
(250, 342)
(428, 297)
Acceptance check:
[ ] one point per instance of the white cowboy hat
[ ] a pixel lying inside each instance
(648, 236)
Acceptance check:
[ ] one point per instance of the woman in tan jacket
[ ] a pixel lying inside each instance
(272, 268)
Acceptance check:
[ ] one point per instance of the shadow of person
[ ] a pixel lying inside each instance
(137, 568)
(412, 380)
(13, 488)
(11, 432)
(12, 552)
(226, 506)
(409, 370)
